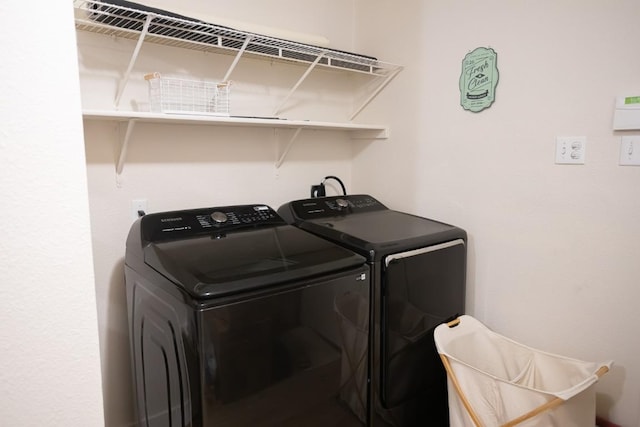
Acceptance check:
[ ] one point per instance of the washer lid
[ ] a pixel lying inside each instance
(214, 265)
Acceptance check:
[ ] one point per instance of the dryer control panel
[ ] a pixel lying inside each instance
(324, 207)
(187, 223)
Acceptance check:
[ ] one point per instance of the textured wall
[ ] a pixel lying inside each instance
(553, 249)
(49, 355)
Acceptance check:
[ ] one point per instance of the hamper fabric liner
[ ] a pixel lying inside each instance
(495, 381)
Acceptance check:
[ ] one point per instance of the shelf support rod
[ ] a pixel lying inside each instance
(293, 89)
(134, 57)
(288, 147)
(375, 92)
(237, 58)
(125, 146)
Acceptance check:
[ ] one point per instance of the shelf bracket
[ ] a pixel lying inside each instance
(288, 147)
(237, 58)
(375, 92)
(134, 57)
(125, 144)
(293, 89)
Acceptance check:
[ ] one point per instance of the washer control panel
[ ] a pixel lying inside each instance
(323, 207)
(219, 220)
(237, 215)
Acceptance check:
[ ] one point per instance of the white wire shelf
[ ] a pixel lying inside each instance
(115, 20)
(161, 27)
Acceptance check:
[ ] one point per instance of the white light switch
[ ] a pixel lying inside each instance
(630, 150)
(570, 150)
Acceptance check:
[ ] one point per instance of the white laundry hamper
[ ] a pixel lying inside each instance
(494, 381)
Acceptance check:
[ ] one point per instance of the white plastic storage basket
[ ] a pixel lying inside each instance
(494, 381)
(185, 96)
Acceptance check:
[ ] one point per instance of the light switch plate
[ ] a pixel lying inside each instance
(570, 150)
(630, 150)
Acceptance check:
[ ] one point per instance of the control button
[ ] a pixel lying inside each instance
(219, 217)
(342, 203)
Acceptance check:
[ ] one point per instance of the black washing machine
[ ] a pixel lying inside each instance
(238, 319)
(418, 274)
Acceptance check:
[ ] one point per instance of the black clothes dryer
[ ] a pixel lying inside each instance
(237, 319)
(418, 274)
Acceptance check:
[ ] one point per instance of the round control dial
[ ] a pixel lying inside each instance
(219, 217)
(342, 203)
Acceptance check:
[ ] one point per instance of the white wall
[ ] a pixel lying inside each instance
(49, 355)
(179, 167)
(553, 249)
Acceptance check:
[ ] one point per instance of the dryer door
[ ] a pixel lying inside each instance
(420, 289)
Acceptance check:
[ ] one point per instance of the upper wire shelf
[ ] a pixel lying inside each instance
(116, 20)
(162, 27)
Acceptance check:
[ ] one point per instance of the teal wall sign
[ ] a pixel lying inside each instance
(479, 79)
